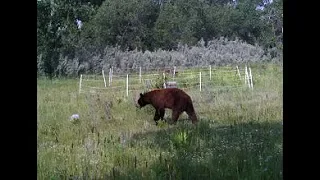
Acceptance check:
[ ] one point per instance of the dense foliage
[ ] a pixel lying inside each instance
(67, 48)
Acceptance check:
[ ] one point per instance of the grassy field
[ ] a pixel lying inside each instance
(239, 135)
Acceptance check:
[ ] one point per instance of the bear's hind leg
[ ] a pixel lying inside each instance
(193, 117)
(192, 114)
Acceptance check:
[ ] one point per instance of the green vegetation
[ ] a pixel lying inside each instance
(120, 33)
(239, 135)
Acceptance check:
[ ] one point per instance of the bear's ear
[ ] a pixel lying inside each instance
(141, 95)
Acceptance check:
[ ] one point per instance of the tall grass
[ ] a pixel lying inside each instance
(239, 135)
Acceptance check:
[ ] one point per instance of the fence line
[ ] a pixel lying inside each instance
(125, 85)
(136, 75)
(192, 88)
(202, 68)
(247, 79)
(185, 73)
(93, 80)
(172, 68)
(146, 75)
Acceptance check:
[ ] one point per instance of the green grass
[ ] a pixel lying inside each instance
(239, 135)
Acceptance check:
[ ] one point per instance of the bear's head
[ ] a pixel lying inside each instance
(141, 101)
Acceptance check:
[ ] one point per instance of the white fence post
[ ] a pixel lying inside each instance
(127, 85)
(174, 72)
(104, 79)
(246, 79)
(80, 83)
(109, 76)
(250, 75)
(245, 76)
(140, 74)
(210, 72)
(164, 77)
(239, 73)
(200, 80)
(111, 70)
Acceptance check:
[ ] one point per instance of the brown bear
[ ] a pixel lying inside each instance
(172, 98)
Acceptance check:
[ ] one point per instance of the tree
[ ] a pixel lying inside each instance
(179, 21)
(273, 17)
(57, 33)
(48, 42)
(126, 23)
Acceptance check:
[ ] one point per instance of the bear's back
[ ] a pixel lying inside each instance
(175, 92)
(170, 95)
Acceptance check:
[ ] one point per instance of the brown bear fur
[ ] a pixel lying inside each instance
(172, 98)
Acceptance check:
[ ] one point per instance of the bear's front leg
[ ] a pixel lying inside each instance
(162, 112)
(156, 117)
